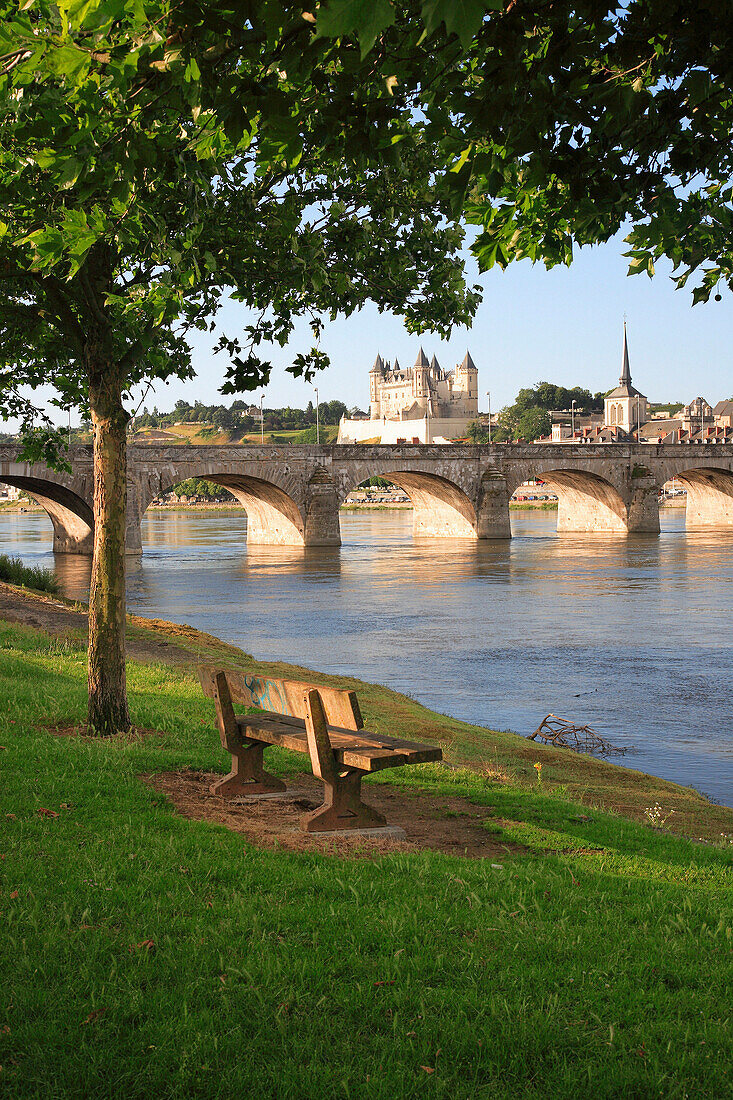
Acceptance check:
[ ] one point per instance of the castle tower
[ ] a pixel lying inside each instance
(467, 381)
(421, 379)
(375, 377)
(625, 407)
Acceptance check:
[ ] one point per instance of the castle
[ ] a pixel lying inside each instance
(423, 390)
(420, 404)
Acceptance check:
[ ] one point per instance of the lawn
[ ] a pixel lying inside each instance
(143, 954)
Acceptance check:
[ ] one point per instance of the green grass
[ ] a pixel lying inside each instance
(14, 571)
(597, 964)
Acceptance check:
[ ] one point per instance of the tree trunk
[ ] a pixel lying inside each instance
(108, 711)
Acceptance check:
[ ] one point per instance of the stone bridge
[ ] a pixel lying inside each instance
(292, 494)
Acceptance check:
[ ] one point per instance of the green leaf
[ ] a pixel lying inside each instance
(69, 62)
(192, 72)
(70, 173)
(77, 11)
(366, 19)
(461, 17)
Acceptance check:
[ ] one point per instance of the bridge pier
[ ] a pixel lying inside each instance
(71, 535)
(322, 526)
(643, 511)
(492, 508)
(133, 534)
(579, 512)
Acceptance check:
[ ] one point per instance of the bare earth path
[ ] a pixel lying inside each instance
(59, 617)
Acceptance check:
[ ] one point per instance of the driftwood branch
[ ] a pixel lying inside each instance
(558, 731)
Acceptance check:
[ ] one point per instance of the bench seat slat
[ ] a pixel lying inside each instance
(353, 749)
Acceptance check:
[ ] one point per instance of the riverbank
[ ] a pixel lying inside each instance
(610, 785)
(146, 927)
(348, 506)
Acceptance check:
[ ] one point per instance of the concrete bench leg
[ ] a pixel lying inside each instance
(248, 775)
(342, 807)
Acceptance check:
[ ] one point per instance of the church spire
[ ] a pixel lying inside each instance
(625, 378)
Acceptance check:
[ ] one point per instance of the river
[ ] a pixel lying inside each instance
(630, 635)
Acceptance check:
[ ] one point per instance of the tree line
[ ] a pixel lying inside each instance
(529, 417)
(243, 416)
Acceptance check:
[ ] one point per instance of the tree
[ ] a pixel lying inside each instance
(533, 423)
(157, 156)
(562, 122)
(477, 432)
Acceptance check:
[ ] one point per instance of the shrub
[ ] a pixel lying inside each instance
(13, 571)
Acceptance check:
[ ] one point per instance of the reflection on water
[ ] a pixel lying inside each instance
(628, 634)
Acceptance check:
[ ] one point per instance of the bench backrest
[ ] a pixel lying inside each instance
(285, 696)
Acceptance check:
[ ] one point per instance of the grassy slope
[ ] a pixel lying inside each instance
(191, 433)
(596, 965)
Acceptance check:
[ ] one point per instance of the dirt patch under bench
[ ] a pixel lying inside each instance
(441, 824)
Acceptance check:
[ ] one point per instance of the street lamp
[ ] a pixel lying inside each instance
(262, 420)
(572, 419)
(318, 430)
(488, 394)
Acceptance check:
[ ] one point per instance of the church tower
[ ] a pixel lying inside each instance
(625, 407)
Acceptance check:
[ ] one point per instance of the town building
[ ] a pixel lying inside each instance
(723, 414)
(419, 404)
(696, 415)
(625, 406)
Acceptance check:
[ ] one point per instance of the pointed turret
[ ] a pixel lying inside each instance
(422, 359)
(397, 368)
(625, 378)
(434, 365)
(468, 363)
(625, 407)
(625, 389)
(378, 367)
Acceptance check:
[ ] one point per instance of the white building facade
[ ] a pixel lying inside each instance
(419, 404)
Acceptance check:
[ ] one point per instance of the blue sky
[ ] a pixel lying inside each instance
(564, 326)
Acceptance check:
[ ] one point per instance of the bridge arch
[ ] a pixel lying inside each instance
(709, 494)
(586, 501)
(273, 517)
(70, 514)
(442, 508)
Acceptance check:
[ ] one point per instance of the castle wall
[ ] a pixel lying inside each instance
(425, 430)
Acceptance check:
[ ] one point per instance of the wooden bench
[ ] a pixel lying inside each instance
(325, 723)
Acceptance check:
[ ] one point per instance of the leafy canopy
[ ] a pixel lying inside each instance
(157, 157)
(563, 122)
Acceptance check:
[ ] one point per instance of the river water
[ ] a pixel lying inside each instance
(631, 635)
